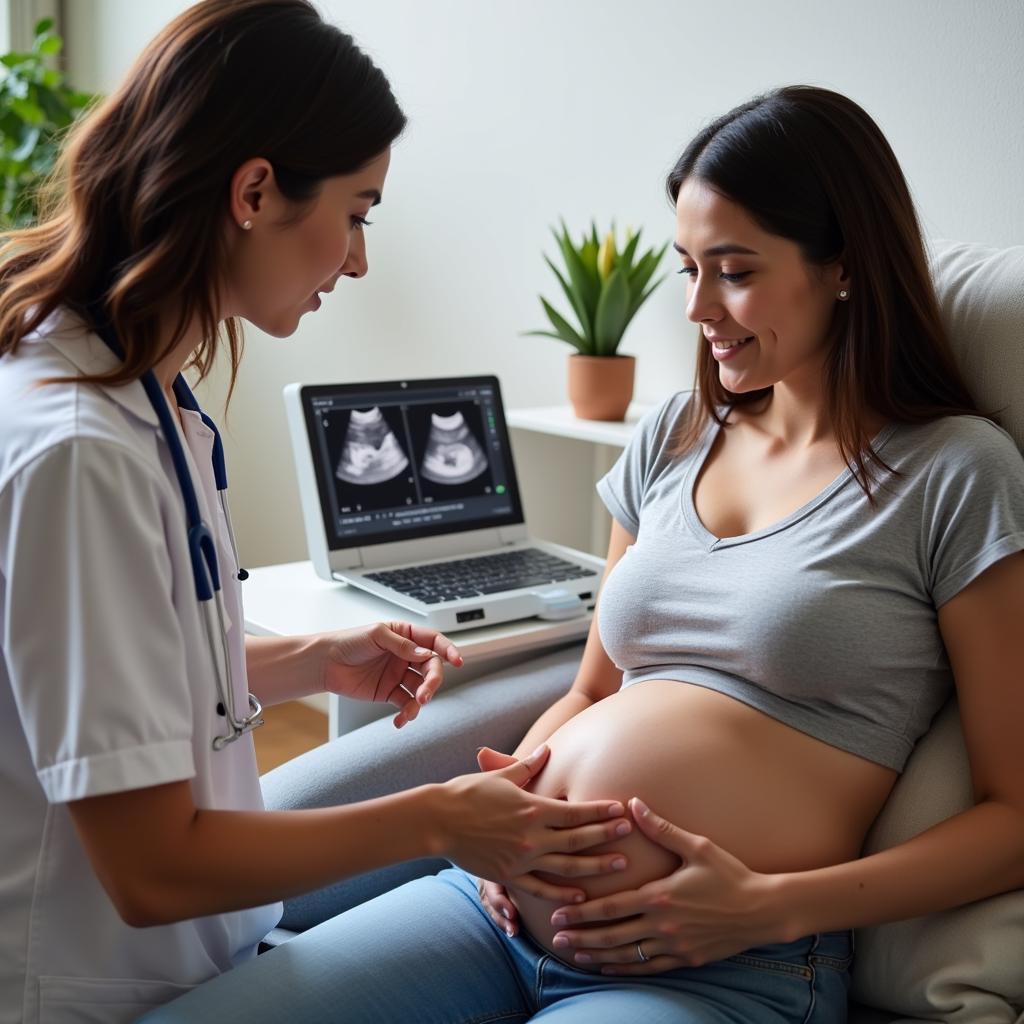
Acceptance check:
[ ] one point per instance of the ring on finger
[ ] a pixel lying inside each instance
(640, 952)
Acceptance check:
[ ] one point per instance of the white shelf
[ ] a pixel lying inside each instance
(560, 421)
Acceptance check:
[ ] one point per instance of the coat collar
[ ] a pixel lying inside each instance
(69, 334)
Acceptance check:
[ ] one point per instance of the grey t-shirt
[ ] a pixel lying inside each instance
(826, 620)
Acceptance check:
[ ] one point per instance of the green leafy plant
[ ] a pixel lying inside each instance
(36, 106)
(605, 287)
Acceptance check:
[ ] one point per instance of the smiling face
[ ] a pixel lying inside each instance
(764, 311)
(278, 265)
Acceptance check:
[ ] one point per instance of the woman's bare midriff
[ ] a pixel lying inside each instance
(776, 798)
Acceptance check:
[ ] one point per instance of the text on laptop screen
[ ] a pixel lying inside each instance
(402, 460)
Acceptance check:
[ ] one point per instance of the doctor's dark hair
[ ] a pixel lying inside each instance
(810, 165)
(135, 217)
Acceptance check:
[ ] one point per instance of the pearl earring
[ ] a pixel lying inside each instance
(246, 225)
(844, 294)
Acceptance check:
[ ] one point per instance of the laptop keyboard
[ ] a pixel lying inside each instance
(474, 577)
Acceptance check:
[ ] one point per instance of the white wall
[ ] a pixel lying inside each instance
(526, 110)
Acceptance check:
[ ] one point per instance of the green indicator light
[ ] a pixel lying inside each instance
(500, 488)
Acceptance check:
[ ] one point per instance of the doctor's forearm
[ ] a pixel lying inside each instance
(199, 862)
(241, 859)
(284, 668)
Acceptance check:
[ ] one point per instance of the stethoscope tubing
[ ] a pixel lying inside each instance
(201, 544)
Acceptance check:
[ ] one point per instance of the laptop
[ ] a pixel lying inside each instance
(409, 492)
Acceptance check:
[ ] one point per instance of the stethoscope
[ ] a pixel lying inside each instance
(201, 545)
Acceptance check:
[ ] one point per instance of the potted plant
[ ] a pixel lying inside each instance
(605, 287)
(35, 107)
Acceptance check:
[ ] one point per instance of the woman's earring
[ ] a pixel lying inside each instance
(246, 225)
(843, 293)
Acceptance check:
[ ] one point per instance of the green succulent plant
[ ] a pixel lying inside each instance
(36, 106)
(605, 287)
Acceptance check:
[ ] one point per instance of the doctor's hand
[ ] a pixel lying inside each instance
(711, 907)
(495, 896)
(493, 828)
(388, 661)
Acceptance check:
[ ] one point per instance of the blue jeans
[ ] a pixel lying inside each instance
(427, 953)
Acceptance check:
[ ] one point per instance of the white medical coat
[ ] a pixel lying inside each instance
(106, 681)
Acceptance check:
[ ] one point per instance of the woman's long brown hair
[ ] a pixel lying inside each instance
(810, 165)
(134, 217)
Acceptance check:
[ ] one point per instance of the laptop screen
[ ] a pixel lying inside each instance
(401, 460)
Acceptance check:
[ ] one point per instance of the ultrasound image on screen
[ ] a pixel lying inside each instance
(371, 467)
(371, 453)
(450, 450)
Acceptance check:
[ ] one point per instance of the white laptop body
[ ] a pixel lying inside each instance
(398, 477)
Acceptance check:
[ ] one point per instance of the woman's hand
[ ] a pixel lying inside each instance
(495, 897)
(503, 912)
(388, 661)
(494, 829)
(712, 907)
(500, 909)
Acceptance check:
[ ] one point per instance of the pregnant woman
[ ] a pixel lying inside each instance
(809, 551)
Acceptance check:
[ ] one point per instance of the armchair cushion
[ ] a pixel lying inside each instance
(963, 966)
(981, 297)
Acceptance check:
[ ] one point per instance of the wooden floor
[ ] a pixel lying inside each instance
(289, 730)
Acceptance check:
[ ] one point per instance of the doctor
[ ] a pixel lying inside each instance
(230, 176)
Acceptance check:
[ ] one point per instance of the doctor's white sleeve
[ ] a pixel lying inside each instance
(92, 641)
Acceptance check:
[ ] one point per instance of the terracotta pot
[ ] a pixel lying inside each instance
(601, 387)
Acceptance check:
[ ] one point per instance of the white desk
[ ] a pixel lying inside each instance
(289, 599)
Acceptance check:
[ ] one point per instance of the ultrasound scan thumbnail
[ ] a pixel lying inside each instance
(453, 455)
(371, 453)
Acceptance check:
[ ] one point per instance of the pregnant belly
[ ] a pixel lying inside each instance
(774, 797)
